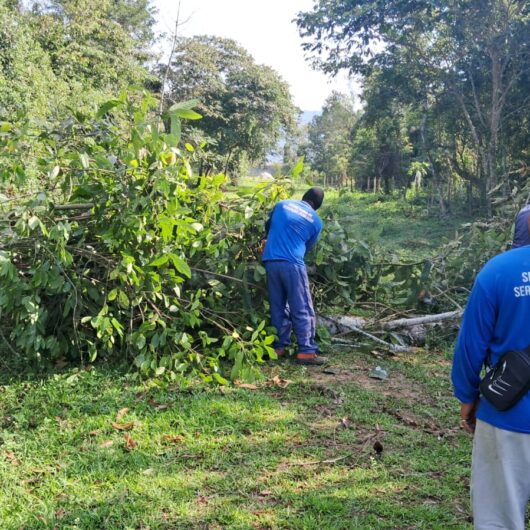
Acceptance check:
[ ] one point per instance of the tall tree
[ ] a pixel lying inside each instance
(245, 105)
(28, 84)
(477, 51)
(93, 45)
(330, 139)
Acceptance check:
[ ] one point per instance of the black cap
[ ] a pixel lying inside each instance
(314, 197)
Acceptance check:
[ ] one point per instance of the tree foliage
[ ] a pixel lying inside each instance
(245, 106)
(127, 253)
(460, 67)
(63, 53)
(329, 139)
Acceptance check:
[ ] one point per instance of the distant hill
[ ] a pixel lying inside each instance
(307, 116)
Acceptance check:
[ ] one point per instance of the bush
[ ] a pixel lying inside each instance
(126, 253)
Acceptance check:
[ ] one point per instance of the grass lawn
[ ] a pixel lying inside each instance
(305, 450)
(410, 230)
(407, 228)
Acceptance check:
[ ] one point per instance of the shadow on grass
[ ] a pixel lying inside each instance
(238, 460)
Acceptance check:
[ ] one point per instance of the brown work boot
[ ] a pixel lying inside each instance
(311, 359)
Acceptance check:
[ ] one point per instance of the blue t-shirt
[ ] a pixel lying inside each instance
(496, 319)
(294, 228)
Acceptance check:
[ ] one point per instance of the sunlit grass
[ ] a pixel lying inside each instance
(407, 228)
(238, 458)
(299, 457)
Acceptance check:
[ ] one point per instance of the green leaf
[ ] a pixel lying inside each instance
(187, 114)
(54, 172)
(123, 299)
(184, 105)
(158, 262)
(107, 106)
(298, 168)
(112, 295)
(175, 130)
(181, 265)
(166, 225)
(249, 212)
(221, 380)
(139, 342)
(85, 161)
(117, 326)
(33, 222)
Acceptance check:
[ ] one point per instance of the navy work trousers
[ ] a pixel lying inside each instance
(291, 305)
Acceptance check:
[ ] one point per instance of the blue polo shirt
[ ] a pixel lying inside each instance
(293, 229)
(496, 319)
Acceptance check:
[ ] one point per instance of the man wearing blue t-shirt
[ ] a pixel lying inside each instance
(496, 320)
(292, 230)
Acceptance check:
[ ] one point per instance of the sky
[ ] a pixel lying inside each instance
(265, 29)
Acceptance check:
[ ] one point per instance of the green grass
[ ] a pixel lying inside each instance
(408, 228)
(295, 456)
(238, 458)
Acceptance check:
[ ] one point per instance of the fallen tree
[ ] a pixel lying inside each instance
(409, 332)
(125, 253)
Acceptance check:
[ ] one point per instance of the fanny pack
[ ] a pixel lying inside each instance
(508, 381)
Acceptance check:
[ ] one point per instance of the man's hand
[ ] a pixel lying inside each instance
(468, 418)
(262, 247)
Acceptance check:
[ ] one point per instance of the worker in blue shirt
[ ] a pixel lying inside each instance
(292, 230)
(496, 320)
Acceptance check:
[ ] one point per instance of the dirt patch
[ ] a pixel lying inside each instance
(396, 386)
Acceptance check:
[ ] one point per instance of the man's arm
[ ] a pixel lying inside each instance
(268, 223)
(267, 229)
(311, 242)
(474, 339)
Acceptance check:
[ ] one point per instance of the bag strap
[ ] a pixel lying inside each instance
(487, 361)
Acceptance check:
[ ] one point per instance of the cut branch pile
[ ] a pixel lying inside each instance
(409, 332)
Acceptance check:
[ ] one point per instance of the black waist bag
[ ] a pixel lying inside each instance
(508, 381)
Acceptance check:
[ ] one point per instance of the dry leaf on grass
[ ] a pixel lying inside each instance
(345, 423)
(123, 426)
(130, 444)
(106, 443)
(173, 439)
(157, 406)
(278, 381)
(60, 513)
(201, 499)
(121, 413)
(12, 458)
(248, 386)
